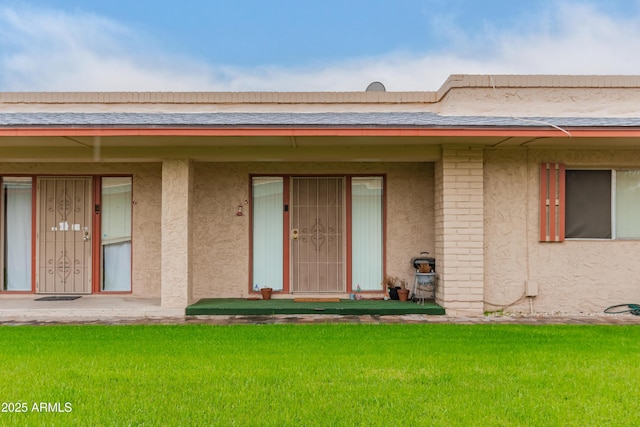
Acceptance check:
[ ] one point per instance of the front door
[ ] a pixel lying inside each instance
(317, 231)
(64, 232)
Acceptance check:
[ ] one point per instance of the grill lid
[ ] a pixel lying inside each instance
(423, 259)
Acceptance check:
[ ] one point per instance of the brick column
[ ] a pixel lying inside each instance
(176, 276)
(460, 230)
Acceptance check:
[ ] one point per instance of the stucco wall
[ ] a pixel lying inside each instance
(146, 212)
(537, 102)
(221, 238)
(572, 276)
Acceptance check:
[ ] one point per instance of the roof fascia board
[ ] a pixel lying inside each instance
(290, 131)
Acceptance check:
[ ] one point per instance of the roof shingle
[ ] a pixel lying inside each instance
(378, 119)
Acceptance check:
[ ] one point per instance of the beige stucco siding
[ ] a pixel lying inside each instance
(411, 217)
(571, 276)
(146, 212)
(533, 102)
(221, 238)
(508, 205)
(147, 235)
(501, 95)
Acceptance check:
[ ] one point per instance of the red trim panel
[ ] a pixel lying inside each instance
(552, 206)
(96, 232)
(286, 227)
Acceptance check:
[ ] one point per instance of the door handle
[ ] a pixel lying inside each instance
(294, 234)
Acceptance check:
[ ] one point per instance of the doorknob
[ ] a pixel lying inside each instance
(294, 234)
(86, 234)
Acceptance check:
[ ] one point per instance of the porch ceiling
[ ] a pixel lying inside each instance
(275, 148)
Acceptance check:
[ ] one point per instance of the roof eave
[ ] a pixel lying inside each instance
(34, 131)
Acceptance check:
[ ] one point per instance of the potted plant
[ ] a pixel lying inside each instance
(266, 293)
(390, 283)
(403, 292)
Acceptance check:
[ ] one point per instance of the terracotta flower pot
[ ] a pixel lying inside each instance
(266, 293)
(403, 294)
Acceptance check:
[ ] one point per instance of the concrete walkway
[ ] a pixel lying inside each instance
(87, 308)
(20, 310)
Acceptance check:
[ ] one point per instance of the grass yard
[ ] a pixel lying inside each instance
(325, 375)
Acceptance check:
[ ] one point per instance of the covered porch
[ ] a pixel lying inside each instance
(239, 306)
(90, 308)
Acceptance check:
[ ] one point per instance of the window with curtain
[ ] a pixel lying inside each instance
(16, 204)
(627, 204)
(366, 233)
(115, 232)
(602, 204)
(267, 232)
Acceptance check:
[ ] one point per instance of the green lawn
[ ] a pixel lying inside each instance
(326, 375)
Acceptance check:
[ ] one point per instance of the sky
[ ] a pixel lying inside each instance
(306, 45)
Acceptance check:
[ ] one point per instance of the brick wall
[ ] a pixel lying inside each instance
(459, 230)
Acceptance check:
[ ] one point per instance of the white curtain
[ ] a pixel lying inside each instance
(627, 204)
(267, 232)
(116, 234)
(366, 233)
(17, 234)
(117, 267)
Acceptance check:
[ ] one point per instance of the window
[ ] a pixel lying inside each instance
(627, 204)
(267, 204)
(603, 204)
(589, 203)
(115, 230)
(366, 232)
(16, 232)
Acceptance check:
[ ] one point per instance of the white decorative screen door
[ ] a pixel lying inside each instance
(64, 231)
(317, 230)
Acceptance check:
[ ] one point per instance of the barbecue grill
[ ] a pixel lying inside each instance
(424, 284)
(423, 259)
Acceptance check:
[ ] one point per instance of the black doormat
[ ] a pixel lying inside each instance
(58, 298)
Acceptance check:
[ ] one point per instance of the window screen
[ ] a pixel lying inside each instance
(588, 204)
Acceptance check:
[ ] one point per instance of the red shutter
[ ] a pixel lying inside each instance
(552, 202)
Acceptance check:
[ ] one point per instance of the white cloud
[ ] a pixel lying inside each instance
(56, 51)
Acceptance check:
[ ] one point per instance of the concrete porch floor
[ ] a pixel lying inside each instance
(24, 310)
(88, 307)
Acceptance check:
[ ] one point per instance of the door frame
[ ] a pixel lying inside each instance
(96, 191)
(342, 285)
(98, 268)
(36, 238)
(286, 225)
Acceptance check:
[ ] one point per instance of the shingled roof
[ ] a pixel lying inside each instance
(321, 120)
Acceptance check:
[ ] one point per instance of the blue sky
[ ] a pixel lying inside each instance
(306, 45)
